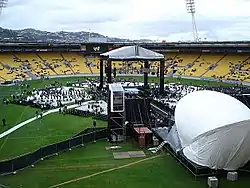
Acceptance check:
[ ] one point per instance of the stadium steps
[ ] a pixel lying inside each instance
(244, 61)
(170, 73)
(31, 75)
(9, 68)
(2, 78)
(16, 57)
(86, 64)
(215, 65)
(170, 63)
(45, 64)
(33, 70)
(28, 72)
(67, 61)
(192, 64)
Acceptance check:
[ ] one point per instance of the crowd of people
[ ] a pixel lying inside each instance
(174, 92)
(56, 96)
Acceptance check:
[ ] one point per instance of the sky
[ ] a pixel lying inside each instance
(217, 20)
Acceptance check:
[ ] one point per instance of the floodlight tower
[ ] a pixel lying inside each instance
(3, 4)
(190, 4)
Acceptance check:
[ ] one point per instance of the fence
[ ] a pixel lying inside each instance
(19, 163)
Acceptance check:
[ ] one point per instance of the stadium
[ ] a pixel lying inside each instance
(124, 114)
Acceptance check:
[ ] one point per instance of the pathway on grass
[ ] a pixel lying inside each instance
(32, 119)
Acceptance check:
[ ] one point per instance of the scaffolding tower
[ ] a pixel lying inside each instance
(116, 112)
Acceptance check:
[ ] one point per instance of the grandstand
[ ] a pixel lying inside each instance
(217, 63)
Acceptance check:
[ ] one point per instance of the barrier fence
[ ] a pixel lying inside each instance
(19, 163)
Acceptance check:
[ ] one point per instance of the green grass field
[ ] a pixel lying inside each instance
(51, 129)
(15, 114)
(159, 172)
(162, 171)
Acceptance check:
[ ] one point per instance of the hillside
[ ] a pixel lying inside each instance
(32, 35)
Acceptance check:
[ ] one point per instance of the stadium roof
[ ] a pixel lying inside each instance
(133, 52)
(214, 129)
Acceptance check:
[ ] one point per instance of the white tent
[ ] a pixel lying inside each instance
(133, 52)
(214, 130)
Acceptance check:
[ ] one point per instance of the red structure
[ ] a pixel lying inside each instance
(143, 136)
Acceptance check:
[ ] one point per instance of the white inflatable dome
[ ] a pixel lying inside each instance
(214, 129)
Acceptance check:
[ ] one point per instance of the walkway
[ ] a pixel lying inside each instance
(32, 119)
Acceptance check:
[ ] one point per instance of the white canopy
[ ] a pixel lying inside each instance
(133, 52)
(214, 129)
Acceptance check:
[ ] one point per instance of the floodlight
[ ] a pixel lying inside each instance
(190, 5)
(3, 4)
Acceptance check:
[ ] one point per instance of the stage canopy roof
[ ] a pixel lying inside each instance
(131, 53)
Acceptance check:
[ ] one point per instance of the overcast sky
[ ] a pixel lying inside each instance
(154, 19)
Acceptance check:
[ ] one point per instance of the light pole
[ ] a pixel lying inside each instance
(190, 5)
(3, 4)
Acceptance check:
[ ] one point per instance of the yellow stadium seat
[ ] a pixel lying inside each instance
(224, 66)
(15, 68)
(56, 62)
(78, 62)
(204, 62)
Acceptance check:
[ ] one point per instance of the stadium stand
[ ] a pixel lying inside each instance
(132, 67)
(11, 67)
(92, 64)
(184, 62)
(227, 64)
(34, 64)
(55, 62)
(77, 62)
(203, 64)
(220, 66)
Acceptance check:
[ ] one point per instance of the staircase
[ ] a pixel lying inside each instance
(23, 66)
(69, 62)
(166, 67)
(240, 65)
(192, 64)
(86, 64)
(155, 150)
(16, 57)
(46, 65)
(215, 65)
(170, 73)
(2, 78)
(31, 75)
